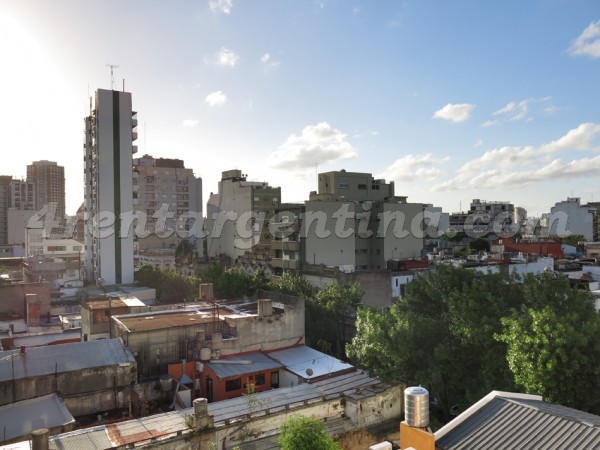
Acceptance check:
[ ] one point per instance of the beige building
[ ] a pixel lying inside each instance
(164, 186)
(356, 222)
(48, 180)
(237, 215)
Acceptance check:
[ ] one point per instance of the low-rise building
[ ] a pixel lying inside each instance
(90, 376)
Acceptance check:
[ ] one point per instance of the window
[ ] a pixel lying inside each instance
(343, 185)
(362, 186)
(57, 248)
(260, 379)
(233, 385)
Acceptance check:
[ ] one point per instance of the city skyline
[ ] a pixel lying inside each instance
(451, 102)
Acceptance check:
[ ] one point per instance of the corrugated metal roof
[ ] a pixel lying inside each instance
(513, 423)
(21, 418)
(299, 359)
(253, 362)
(38, 361)
(163, 425)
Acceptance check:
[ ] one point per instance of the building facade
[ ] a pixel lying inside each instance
(161, 187)
(110, 130)
(48, 180)
(570, 217)
(237, 215)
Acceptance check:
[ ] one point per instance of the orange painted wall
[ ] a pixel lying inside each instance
(219, 392)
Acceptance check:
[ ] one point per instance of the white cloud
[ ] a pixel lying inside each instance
(455, 112)
(588, 42)
(226, 57)
(490, 123)
(189, 123)
(413, 167)
(220, 6)
(217, 98)
(514, 111)
(316, 144)
(478, 143)
(269, 62)
(504, 166)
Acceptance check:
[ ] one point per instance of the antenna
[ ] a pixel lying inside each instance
(112, 74)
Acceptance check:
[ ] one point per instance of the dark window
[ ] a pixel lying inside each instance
(260, 379)
(233, 385)
(343, 186)
(362, 186)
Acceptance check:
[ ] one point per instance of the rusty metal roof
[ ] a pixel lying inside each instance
(163, 319)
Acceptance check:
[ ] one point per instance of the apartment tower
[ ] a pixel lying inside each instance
(48, 179)
(110, 130)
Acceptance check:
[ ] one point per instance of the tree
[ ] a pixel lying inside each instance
(573, 239)
(170, 286)
(305, 433)
(553, 346)
(335, 304)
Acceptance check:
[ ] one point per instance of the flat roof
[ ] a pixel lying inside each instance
(46, 339)
(40, 361)
(163, 319)
(113, 302)
(236, 366)
(21, 418)
(303, 361)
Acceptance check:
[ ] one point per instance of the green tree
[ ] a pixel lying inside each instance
(305, 433)
(553, 347)
(573, 239)
(170, 286)
(337, 305)
(480, 245)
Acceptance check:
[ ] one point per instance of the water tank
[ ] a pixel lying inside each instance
(416, 407)
(205, 354)
(166, 383)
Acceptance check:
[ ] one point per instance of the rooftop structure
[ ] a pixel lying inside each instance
(505, 420)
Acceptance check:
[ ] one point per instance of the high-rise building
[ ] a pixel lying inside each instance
(48, 179)
(109, 136)
(161, 187)
(237, 217)
(5, 181)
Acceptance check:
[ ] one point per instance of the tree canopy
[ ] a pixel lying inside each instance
(462, 333)
(305, 433)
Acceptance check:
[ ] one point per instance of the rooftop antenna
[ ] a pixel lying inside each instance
(112, 74)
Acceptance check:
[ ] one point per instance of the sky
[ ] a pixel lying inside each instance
(452, 101)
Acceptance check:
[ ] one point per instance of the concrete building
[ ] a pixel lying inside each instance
(90, 376)
(356, 222)
(23, 194)
(48, 180)
(161, 187)
(96, 314)
(110, 130)
(237, 215)
(570, 217)
(5, 181)
(202, 332)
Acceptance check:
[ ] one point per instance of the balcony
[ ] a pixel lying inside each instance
(284, 264)
(134, 136)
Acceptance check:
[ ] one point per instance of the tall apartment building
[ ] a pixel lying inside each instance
(5, 181)
(110, 130)
(237, 215)
(164, 185)
(570, 217)
(48, 179)
(356, 222)
(23, 195)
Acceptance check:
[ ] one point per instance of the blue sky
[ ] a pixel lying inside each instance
(450, 100)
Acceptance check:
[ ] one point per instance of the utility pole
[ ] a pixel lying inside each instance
(112, 75)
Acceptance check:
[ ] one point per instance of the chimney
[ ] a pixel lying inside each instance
(39, 439)
(265, 308)
(23, 348)
(201, 418)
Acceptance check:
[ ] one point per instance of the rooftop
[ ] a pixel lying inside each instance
(21, 418)
(503, 420)
(40, 361)
(242, 365)
(309, 363)
(163, 319)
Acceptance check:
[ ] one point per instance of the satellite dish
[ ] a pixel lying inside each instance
(309, 372)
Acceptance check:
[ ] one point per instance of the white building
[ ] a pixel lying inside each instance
(569, 217)
(109, 136)
(236, 216)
